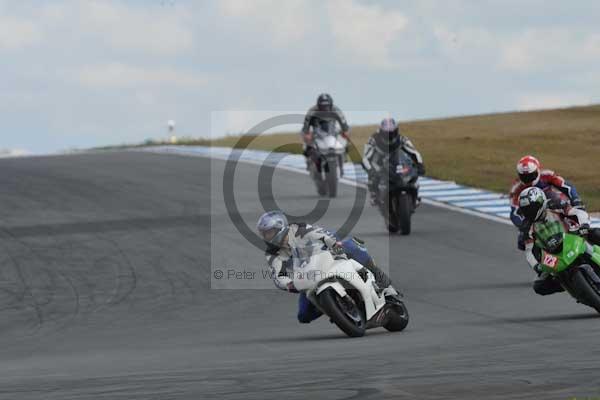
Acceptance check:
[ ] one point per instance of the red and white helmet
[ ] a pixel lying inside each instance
(528, 169)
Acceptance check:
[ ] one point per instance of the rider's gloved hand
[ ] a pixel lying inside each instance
(577, 203)
(557, 203)
(338, 250)
(346, 135)
(421, 169)
(538, 269)
(308, 137)
(584, 229)
(291, 288)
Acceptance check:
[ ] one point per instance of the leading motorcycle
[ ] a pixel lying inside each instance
(328, 157)
(346, 291)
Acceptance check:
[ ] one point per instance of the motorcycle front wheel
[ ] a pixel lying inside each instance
(344, 312)
(390, 212)
(331, 176)
(320, 183)
(404, 211)
(587, 289)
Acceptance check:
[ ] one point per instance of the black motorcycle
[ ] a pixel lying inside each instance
(398, 192)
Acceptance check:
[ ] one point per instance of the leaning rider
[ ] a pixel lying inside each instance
(534, 208)
(289, 242)
(531, 174)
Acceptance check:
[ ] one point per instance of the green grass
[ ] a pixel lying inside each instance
(482, 150)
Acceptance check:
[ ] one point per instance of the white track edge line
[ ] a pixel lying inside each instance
(350, 183)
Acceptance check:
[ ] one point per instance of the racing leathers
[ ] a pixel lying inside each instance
(376, 153)
(575, 221)
(547, 181)
(304, 240)
(322, 120)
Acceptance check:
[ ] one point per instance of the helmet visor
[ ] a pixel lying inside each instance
(529, 177)
(269, 234)
(530, 212)
(324, 106)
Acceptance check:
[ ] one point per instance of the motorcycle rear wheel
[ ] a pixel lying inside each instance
(397, 317)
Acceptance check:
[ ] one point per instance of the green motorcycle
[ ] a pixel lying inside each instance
(571, 260)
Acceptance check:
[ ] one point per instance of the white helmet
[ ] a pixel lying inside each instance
(273, 227)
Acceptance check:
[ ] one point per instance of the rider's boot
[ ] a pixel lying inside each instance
(417, 196)
(546, 284)
(417, 201)
(372, 186)
(381, 278)
(308, 155)
(594, 236)
(392, 295)
(384, 282)
(373, 198)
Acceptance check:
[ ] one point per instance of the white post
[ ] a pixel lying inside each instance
(171, 127)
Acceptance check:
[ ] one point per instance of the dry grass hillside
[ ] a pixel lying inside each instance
(482, 150)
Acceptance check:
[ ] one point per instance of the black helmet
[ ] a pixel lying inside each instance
(324, 102)
(388, 130)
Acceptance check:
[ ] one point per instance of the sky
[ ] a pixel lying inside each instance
(78, 74)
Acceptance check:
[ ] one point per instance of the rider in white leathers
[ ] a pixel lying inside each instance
(291, 244)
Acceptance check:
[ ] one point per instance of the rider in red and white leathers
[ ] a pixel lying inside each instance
(532, 175)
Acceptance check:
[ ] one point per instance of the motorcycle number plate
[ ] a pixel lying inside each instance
(550, 260)
(401, 169)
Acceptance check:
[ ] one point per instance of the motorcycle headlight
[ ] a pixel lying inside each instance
(402, 169)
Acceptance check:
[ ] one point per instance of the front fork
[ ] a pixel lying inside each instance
(565, 277)
(339, 163)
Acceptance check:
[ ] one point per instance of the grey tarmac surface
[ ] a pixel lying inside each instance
(105, 274)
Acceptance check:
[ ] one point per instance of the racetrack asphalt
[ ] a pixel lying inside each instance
(106, 262)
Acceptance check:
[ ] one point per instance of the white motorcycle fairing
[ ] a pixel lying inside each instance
(330, 143)
(322, 271)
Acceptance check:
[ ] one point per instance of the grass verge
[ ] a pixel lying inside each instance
(482, 150)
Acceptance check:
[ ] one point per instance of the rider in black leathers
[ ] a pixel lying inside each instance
(381, 144)
(321, 116)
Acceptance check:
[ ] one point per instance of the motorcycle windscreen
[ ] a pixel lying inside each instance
(572, 247)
